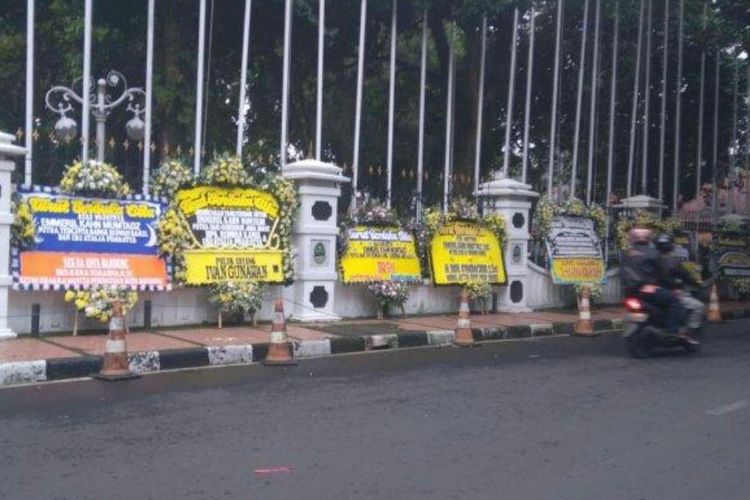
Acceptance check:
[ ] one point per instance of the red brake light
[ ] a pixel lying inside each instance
(633, 304)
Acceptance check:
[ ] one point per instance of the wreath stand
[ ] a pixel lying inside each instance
(253, 319)
(381, 311)
(75, 322)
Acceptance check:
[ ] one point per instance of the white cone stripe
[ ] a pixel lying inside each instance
(278, 337)
(464, 323)
(116, 324)
(464, 307)
(115, 346)
(585, 315)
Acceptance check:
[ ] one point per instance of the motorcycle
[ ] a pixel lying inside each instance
(644, 329)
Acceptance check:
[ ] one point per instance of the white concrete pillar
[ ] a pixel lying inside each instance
(8, 152)
(314, 238)
(511, 199)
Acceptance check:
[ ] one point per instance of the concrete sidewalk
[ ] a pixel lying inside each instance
(58, 357)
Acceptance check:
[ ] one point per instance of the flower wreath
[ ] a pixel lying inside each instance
(94, 179)
(742, 285)
(174, 233)
(374, 213)
(169, 177)
(643, 219)
(546, 210)
(97, 302)
(23, 230)
(460, 209)
(733, 223)
(479, 290)
(595, 289)
(237, 297)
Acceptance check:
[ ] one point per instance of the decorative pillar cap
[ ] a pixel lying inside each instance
(310, 169)
(6, 148)
(641, 201)
(502, 186)
(734, 219)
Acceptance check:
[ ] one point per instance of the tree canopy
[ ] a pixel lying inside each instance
(119, 42)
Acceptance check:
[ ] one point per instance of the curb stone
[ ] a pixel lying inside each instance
(542, 329)
(64, 368)
(230, 354)
(22, 372)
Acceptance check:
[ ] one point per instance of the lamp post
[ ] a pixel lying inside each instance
(59, 99)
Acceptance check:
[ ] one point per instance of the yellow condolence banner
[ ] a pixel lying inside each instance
(578, 270)
(379, 254)
(212, 266)
(191, 200)
(464, 252)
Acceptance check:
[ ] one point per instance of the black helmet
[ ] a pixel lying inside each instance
(665, 242)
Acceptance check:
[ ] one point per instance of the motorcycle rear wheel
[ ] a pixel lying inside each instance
(639, 345)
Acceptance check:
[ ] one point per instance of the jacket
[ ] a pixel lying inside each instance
(672, 273)
(640, 266)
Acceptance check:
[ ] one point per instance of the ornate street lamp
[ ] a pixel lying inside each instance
(59, 99)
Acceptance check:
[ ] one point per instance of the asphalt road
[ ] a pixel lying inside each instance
(557, 418)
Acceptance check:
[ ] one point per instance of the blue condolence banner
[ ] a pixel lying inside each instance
(66, 223)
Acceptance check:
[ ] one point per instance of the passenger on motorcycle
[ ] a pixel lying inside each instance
(674, 276)
(640, 277)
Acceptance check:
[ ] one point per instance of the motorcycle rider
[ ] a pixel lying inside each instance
(640, 276)
(674, 276)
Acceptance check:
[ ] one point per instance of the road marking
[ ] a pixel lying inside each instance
(723, 410)
(273, 470)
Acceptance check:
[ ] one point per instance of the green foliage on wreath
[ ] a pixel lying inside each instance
(22, 231)
(96, 179)
(460, 209)
(546, 210)
(171, 174)
(228, 171)
(646, 220)
(241, 297)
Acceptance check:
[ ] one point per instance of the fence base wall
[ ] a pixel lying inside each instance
(190, 306)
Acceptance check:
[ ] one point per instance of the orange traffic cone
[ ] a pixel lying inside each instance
(464, 337)
(115, 364)
(280, 350)
(714, 313)
(584, 325)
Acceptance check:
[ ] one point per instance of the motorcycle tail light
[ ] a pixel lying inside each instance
(633, 304)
